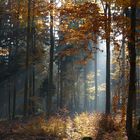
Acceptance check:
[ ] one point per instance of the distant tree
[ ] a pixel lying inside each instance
(27, 59)
(52, 45)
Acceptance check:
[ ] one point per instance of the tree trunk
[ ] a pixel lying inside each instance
(107, 28)
(14, 98)
(33, 61)
(58, 85)
(132, 78)
(85, 90)
(27, 61)
(96, 84)
(51, 62)
(9, 71)
(9, 98)
(61, 84)
(123, 105)
(30, 89)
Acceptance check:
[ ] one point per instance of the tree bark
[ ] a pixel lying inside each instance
(51, 62)
(14, 98)
(85, 90)
(27, 61)
(96, 84)
(33, 61)
(9, 98)
(107, 29)
(132, 78)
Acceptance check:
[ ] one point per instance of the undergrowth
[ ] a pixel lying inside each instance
(59, 127)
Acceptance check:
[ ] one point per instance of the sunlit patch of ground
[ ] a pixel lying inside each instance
(60, 127)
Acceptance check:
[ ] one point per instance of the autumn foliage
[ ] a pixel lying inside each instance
(60, 127)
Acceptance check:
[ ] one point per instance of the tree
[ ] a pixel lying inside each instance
(132, 77)
(27, 59)
(107, 13)
(15, 62)
(107, 29)
(52, 45)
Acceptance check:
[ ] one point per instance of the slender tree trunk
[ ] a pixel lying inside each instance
(27, 61)
(107, 28)
(33, 88)
(123, 109)
(51, 62)
(9, 98)
(61, 84)
(85, 90)
(132, 78)
(14, 99)
(58, 85)
(96, 74)
(16, 52)
(77, 91)
(33, 45)
(96, 85)
(74, 89)
(30, 90)
(32, 65)
(9, 71)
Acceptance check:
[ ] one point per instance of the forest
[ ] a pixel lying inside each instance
(69, 69)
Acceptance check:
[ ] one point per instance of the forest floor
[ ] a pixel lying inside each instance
(63, 127)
